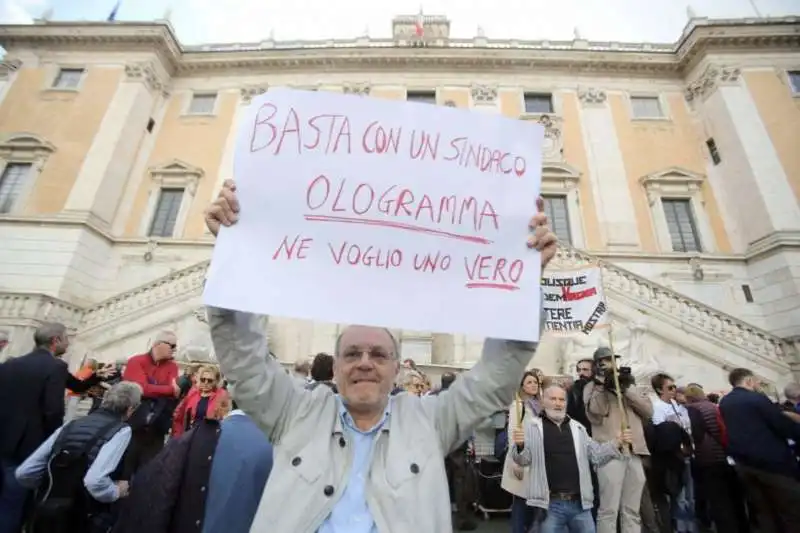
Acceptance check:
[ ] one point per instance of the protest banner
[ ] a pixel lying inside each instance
(367, 211)
(574, 301)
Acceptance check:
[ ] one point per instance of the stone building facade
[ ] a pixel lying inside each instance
(674, 165)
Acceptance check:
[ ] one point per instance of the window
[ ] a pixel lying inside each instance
(794, 81)
(555, 207)
(202, 104)
(68, 78)
(425, 97)
(538, 103)
(713, 151)
(681, 225)
(646, 107)
(11, 183)
(418, 350)
(166, 213)
(748, 294)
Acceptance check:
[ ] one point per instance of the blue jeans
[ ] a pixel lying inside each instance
(682, 506)
(567, 517)
(12, 500)
(521, 516)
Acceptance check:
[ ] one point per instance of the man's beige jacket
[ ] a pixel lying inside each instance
(407, 487)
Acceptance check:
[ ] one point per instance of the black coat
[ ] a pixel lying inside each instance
(32, 391)
(169, 494)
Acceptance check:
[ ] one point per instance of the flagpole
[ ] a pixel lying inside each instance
(614, 369)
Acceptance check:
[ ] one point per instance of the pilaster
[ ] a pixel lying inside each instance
(618, 226)
(101, 180)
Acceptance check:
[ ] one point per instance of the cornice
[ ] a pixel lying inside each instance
(700, 36)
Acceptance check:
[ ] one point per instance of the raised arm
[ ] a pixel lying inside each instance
(261, 388)
(485, 389)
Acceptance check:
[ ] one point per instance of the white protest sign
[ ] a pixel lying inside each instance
(367, 211)
(574, 301)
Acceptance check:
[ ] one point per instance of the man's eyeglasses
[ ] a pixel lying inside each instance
(207, 381)
(172, 346)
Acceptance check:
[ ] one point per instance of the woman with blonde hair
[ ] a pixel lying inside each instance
(414, 383)
(201, 402)
(515, 478)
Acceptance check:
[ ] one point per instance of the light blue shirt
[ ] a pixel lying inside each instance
(97, 479)
(351, 513)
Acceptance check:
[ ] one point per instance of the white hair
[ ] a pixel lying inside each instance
(122, 396)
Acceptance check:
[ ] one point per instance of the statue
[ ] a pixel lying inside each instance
(690, 12)
(576, 33)
(480, 32)
(47, 14)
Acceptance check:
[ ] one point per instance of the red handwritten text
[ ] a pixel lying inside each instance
(328, 133)
(428, 263)
(377, 140)
(362, 204)
(368, 256)
(296, 250)
(489, 272)
(484, 158)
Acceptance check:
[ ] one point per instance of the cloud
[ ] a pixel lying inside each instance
(20, 11)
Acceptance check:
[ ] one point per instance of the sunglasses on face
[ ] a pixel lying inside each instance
(208, 381)
(171, 345)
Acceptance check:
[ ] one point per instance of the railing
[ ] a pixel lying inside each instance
(179, 283)
(689, 311)
(38, 308)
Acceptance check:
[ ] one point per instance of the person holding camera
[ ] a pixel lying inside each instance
(621, 481)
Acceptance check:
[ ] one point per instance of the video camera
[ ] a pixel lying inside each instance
(626, 379)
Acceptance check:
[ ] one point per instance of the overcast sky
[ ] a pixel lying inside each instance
(199, 21)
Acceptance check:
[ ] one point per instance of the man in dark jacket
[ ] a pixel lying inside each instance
(77, 470)
(576, 409)
(758, 435)
(32, 390)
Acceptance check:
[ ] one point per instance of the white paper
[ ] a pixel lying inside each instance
(401, 227)
(574, 301)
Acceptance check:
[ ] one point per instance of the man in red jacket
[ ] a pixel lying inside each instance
(157, 374)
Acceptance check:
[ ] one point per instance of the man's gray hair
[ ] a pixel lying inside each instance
(553, 384)
(792, 391)
(395, 345)
(122, 396)
(48, 331)
(165, 336)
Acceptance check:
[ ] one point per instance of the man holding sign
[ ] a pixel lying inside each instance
(361, 460)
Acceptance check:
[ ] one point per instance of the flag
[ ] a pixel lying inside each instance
(419, 26)
(113, 15)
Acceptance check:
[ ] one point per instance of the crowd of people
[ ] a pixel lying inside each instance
(360, 442)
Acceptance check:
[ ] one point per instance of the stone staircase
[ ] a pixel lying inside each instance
(691, 316)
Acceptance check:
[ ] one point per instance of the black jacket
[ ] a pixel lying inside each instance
(32, 391)
(758, 432)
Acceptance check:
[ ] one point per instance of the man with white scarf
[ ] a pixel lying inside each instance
(559, 451)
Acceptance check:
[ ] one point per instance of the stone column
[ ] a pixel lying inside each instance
(442, 349)
(101, 180)
(753, 190)
(612, 195)
(8, 70)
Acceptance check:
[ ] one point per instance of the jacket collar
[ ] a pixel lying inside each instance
(343, 417)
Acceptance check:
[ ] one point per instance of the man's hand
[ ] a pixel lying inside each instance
(224, 211)
(105, 371)
(542, 239)
(625, 438)
(124, 488)
(176, 388)
(519, 436)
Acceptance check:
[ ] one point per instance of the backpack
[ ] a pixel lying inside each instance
(63, 504)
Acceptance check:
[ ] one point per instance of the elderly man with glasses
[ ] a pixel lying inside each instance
(360, 460)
